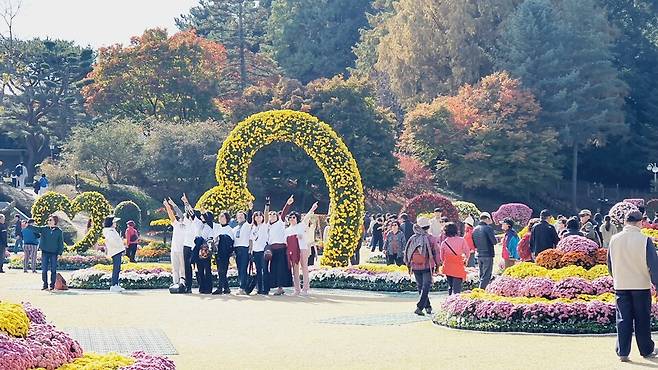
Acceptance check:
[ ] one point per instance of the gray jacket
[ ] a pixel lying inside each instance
(484, 240)
(388, 243)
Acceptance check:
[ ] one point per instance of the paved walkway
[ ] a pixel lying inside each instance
(329, 330)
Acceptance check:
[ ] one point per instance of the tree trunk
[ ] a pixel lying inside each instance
(574, 178)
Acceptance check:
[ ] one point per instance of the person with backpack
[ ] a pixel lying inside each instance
(421, 258)
(132, 237)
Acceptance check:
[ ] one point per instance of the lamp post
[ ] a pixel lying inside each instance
(52, 149)
(653, 167)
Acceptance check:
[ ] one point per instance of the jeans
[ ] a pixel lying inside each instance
(116, 268)
(242, 262)
(30, 257)
(454, 285)
(2, 256)
(391, 259)
(634, 311)
(187, 257)
(424, 284)
(471, 260)
(48, 261)
(222, 270)
(486, 268)
(261, 272)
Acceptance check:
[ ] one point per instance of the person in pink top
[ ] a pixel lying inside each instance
(453, 254)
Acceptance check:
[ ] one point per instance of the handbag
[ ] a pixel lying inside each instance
(453, 265)
(251, 277)
(60, 283)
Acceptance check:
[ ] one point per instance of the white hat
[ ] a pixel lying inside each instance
(469, 221)
(423, 222)
(485, 215)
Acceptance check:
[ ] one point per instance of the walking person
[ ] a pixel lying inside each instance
(43, 184)
(544, 235)
(18, 234)
(258, 242)
(114, 248)
(177, 245)
(525, 252)
(633, 265)
(421, 258)
(510, 243)
(485, 240)
(279, 273)
(453, 254)
(242, 255)
(468, 237)
(30, 246)
(607, 230)
(193, 226)
(36, 187)
(394, 245)
(406, 226)
(132, 237)
(297, 247)
(51, 244)
(436, 223)
(3, 242)
(224, 240)
(21, 175)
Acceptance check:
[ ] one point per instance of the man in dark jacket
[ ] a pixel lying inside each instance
(484, 240)
(543, 236)
(406, 226)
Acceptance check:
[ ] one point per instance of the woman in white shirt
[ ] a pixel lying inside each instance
(298, 247)
(279, 271)
(223, 239)
(257, 244)
(114, 248)
(242, 238)
(177, 245)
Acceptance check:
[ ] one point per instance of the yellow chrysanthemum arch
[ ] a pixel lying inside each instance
(322, 144)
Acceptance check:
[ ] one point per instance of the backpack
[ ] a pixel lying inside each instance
(18, 170)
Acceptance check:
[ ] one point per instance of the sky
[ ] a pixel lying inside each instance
(95, 22)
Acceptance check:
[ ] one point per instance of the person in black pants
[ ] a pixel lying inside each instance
(3, 241)
(51, 244)
(201, 258)
(193, 226)
(377, 235)
(224, 239)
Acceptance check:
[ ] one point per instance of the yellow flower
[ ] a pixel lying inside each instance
(13, 319)
(94, 361)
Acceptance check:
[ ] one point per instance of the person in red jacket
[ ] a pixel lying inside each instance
(468, 237)
(132, 237)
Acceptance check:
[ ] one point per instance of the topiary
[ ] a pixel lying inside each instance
(427, 203)
(466, 209)
(619, 211)
(518, 212)
(126, 211)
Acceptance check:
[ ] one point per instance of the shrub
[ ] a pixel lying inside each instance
(518, 212)
(466, 209)
(126, 211)
(427, 202)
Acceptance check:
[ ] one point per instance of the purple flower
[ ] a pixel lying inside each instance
(505, 286)
(576, 243)
(35, 315)
(572, 287)
(518, 212)
(536, 287)
(145, 361)
(603, 285)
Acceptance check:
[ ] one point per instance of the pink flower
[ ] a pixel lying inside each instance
(536, 287)
(576, 243)
(572, 287)
(518, 212)
(505, 286)
(603, 285)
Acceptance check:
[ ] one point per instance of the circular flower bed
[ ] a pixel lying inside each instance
(322, 144)
(518, 212)
(534, 299)
(370, 277)
(427, 203)
(28, 342)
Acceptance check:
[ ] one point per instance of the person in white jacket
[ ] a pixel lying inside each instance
(177, 244)
(114, 248)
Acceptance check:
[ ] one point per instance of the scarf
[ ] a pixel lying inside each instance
(237, 234)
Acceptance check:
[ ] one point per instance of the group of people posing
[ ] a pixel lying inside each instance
(278, 244)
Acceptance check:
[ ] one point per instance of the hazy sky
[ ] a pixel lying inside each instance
(96, 22)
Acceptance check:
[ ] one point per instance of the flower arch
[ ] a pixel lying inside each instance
(322, 144)
(427, 202)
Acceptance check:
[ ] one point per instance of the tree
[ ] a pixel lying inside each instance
(490, 140)
(417, 178)
(110, 150)
(181, 157)
(177, 78)
(564, 55)
(347, 106)
(314, 38)
(240, 25)
(432, 47)
(41, 86)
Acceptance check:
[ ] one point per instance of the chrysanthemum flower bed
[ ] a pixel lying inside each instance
(27, 341)
(66, 262)
(370, 277)
(531, 298)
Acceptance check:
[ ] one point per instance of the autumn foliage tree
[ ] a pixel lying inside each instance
(485, 137)
(177, 78)
(417, 177)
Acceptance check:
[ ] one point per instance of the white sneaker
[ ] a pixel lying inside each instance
(115, 289)
(305, 293)
(122, 289)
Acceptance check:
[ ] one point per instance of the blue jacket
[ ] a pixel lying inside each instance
(31, 235)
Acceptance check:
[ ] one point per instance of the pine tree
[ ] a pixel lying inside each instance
(563, 53)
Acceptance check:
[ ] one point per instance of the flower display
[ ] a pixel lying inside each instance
(109, 361)
(66, 262)
(528, 269)
(160, 223)
(13, 319)
(518, 212)
(466, 209)
(618, 212)
(377, 258)
(577, 259)
(525, 269)
(577, 243)
(536, 287)
(34, 314)
(601, 256)
(504, 286)
(603, 285)
(550, 258)
(322, 144)
(638, 202)
(145, 361)
(93, 203)
(568, 272)
(572, 287)
(598, 271)
(427, 203)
